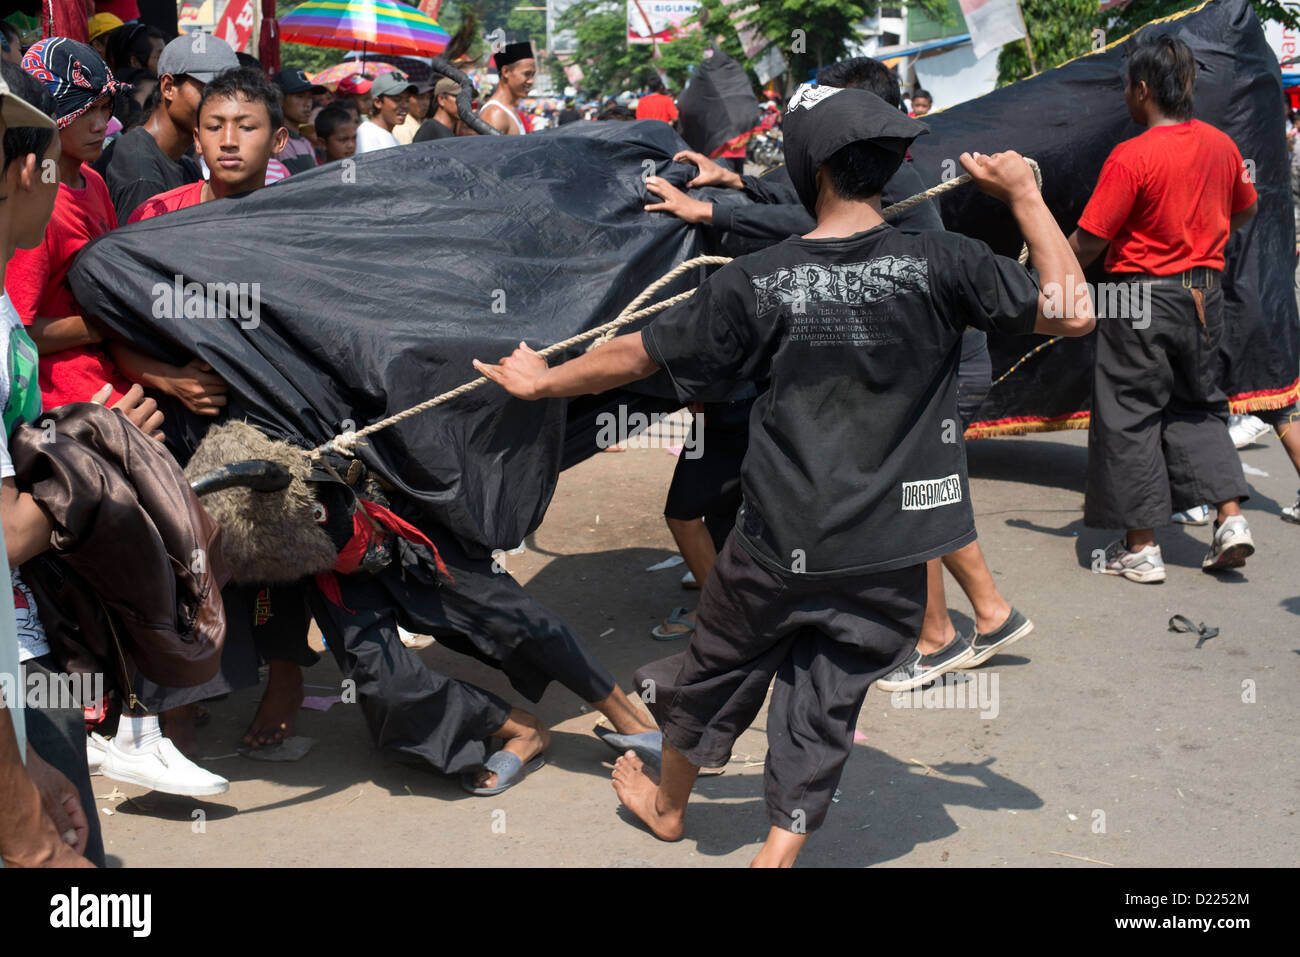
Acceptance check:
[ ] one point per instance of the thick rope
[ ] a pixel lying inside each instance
(345, 443)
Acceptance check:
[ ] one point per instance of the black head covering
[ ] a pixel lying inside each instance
(823, 119)
(512, 53)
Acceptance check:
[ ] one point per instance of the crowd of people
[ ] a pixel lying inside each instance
(823, 599)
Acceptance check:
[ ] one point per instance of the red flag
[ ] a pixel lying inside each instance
(67, 18)
(268, 46)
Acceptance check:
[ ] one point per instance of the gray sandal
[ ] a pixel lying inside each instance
(508, 769)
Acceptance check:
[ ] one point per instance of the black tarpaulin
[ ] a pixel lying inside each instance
(375, 282)
(1069, 119)
(717, 105)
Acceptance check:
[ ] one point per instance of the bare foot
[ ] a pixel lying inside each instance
(178, 724)
(639, 793)
(278, 711)
(667, 627)
(525, 737)
(625, 717)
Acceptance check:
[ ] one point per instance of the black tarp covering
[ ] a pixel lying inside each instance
(377, 285)
(717, 105)
(1069, 119)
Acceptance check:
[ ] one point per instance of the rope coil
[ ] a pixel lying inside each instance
(345, 443)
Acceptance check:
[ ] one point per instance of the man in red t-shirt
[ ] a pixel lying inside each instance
(657, 104)
(1165, 203)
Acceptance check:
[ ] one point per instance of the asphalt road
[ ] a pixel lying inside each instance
(1103, 735)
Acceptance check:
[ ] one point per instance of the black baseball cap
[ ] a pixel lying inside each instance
(295, 81)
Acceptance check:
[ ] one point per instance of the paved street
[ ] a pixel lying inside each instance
(1106, 736)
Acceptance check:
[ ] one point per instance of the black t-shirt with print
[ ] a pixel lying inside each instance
(855, 460)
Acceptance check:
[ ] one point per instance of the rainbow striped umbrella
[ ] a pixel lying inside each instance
(379, 26)
(334, 75)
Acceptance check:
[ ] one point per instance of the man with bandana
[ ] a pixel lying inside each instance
(854, 331)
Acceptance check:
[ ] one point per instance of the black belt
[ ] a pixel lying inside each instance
(1198, 277)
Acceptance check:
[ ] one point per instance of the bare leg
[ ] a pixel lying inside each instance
(662, 808)
(178, 724)
(1289, 434)
(967, 565)
(1227, 510)
(525, 737)
(780, 849)
(1139, 538)
(696, 545)
(278, 712)
(623, 715)
(936, 628)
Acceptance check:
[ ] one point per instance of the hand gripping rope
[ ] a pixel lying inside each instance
(345, 443)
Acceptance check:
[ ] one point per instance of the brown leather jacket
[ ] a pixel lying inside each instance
(128, 525)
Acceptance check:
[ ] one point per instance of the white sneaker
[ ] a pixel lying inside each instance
(1231, 547)
(1196, 515)
(1291, 513)
(162, 768)
(1145, 565)
(1245, 429)
(96, 748)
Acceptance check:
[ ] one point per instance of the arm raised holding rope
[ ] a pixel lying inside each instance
(1065, 304)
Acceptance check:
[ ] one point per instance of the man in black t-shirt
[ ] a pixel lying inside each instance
(444, 120)
(854, 331)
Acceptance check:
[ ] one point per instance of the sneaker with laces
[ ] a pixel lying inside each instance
(1145, 565)
(921, 669)
(1231, 547)
(161, 768)
(1291, 513)
(1246, 429)
(1196, 515)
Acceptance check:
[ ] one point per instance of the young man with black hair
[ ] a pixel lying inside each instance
(151, 158)
(336, 127)
(1165, 204)
(657, 104)
(240, 127)
(852, 334)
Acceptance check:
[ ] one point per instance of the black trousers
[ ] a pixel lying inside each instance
(58, 735)
(1158, 437)
(824, 641)
(416, 714)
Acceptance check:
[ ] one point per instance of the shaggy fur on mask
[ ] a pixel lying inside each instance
(266, 537)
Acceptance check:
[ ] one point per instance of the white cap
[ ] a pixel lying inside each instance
(15, 111)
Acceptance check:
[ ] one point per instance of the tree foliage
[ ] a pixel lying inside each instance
(1060, 30)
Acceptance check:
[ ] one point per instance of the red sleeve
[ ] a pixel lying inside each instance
(1243, 190)
(1112, 200)
(26, 277)
(146, 210)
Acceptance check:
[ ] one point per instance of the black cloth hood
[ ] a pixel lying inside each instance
(823, 119)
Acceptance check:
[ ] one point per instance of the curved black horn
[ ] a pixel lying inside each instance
(261, 475)
(465, 98)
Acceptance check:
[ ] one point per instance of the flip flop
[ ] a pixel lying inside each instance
(509, 771)
(648, 745)
(674, 619)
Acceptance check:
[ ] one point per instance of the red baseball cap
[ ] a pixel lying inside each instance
(354, 85)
